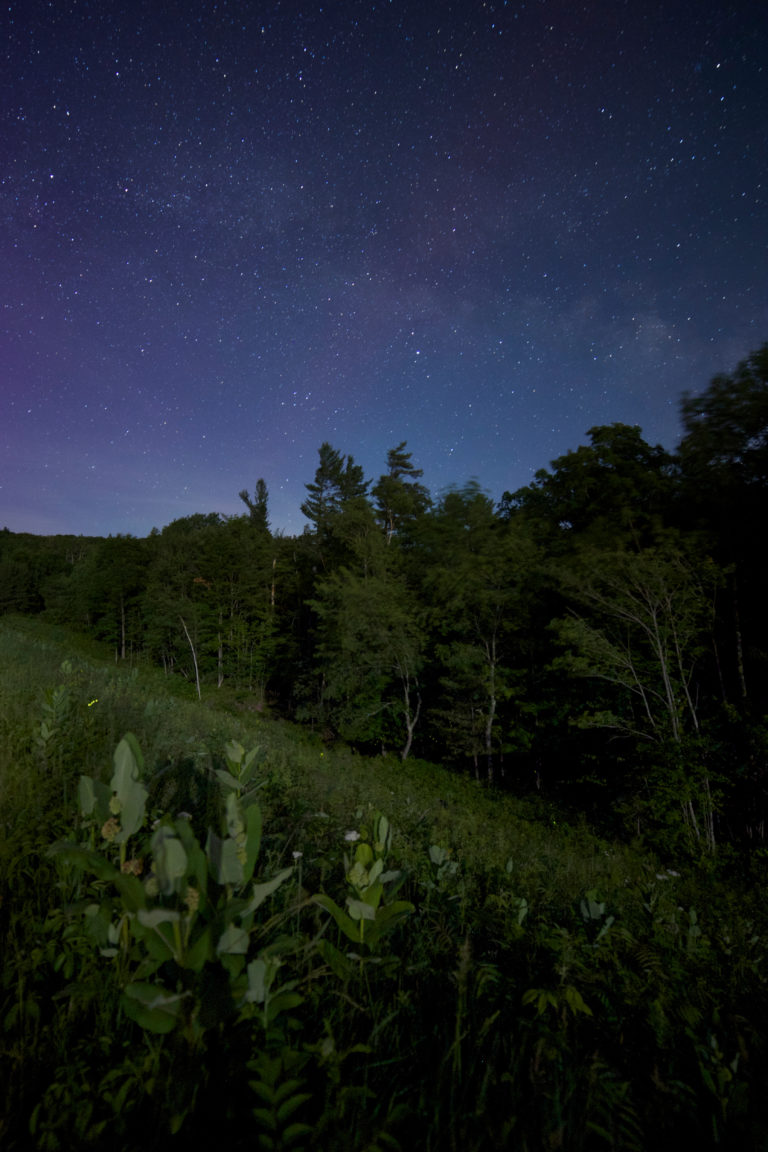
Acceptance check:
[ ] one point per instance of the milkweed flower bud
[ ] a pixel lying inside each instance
(110, 829)
(192, 899)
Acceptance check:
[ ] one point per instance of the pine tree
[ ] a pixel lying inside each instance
(257, 507)
(399, 496)
(338, 491)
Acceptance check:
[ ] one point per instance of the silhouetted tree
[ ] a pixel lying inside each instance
(257, 507)
(399, 496)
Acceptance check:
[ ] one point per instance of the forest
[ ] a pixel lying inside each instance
(598, 636)
(440, 826)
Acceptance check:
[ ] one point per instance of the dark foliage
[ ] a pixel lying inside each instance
(600, 636)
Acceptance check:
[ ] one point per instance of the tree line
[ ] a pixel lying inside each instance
(599, 634)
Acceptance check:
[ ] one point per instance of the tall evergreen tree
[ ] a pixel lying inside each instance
(399, 496)
(257, 506)
(338, 491)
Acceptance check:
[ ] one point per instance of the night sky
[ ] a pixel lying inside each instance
(233, 230)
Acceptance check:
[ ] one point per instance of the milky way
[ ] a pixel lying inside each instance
(231, 231)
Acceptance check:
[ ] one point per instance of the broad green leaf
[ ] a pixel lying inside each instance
(248, 764)
(393, 911)
(604, 930)
(294, 1132)
(227, 779)
(158, 940)
(131, 891)
(170, 859)
(392, 874)
(126, 768)
(130, 740)
(373, 894)
(223, 860)
(151, 1006)
(197, 866)
(287, 1089)
(364, 854)
(99, 926)
(151, 918)
(260, 892)
(199, 951)
(86, 795)
(234, 752)
(257, 991)
(359, 910)
(382, 833)
(591, 907)
(344, 922)
(264, 1091)
(233, 940)
(282, 1002)
(266, 1120)
(128, 788)
(290, 1106)
(335, 959)
(234, 816)
(102, 794)
(233, 964)
(261, 976)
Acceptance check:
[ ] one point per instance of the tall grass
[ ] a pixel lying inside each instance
(549, 989)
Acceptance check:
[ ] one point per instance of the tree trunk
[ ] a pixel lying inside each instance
(739, 644)
(194, 656)
(411, 720)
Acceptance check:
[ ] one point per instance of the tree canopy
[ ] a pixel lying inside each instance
(601, 632)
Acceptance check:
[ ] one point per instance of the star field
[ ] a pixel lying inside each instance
(233, 230)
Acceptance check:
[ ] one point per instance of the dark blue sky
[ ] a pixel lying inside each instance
(233, 230)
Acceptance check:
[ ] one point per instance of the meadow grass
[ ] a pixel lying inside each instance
(536, 987)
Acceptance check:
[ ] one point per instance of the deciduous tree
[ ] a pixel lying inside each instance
(642, 622)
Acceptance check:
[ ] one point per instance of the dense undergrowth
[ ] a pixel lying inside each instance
(304, 948)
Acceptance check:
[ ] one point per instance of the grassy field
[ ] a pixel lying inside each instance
(304, 948)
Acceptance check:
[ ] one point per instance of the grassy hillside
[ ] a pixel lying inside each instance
(304, 948)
